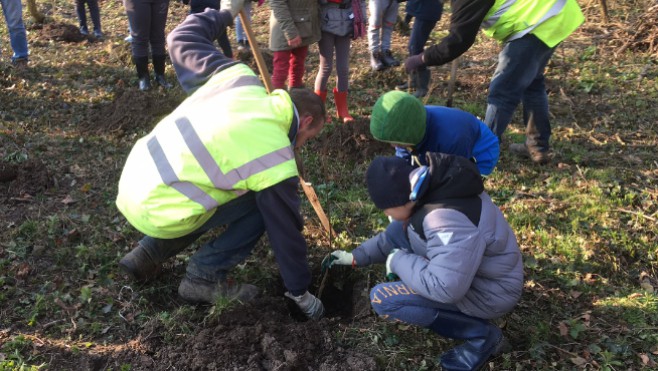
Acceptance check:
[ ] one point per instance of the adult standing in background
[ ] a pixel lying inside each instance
(198, 6)
(426, 14)
(13, 12)
(147, 20)
(530, 30)
(294, 25)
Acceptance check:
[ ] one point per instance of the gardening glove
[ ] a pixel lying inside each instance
(390, 275)
(414, 62)
(339, 257)
(309, 304)
(234, 6)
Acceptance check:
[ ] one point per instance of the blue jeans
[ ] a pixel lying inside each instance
(13, 11)
(240, 34)
(420, 32)
(244, 227)
(519, 78)
(383, 15)
(395, 300)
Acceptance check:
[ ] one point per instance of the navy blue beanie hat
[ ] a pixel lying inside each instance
(388, 181)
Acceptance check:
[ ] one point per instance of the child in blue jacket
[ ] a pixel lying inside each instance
(414, 129)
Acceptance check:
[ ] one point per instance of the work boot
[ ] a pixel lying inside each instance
(340, 98)
(197, 290)
(139, 265)
(536, 155)
(376, 61)
(423, 83)
(142, 67)
(159, 69)
(481, 338)
(389, 60)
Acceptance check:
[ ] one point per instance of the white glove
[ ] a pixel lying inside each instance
(338, 257)
(234, 6)
(309, 304)
(389, 259)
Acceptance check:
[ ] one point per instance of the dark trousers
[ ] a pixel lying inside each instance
(94, 12)
(198, 6)
(147, 21)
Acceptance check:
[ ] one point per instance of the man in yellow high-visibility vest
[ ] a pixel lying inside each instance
(223, 157)
(530, 31)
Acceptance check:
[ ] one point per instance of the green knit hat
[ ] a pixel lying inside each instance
(398, 117)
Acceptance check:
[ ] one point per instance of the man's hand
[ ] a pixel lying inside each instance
(234, 6)
(338, 257)
(309, 304)
(390, 275)
(414, 62)
(295, 43)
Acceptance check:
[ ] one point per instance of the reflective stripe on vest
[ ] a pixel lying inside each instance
(490, 21)
(201, 154)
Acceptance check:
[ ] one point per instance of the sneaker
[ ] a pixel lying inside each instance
(98, 34)
(162, 81)
(139, 266)
(537, 156)
(144, 84)
(19, 63)
(243, 46)
(84, 31)
(197, 290)
(376, 62)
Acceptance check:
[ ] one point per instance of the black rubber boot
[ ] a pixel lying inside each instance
(142, 67)
(482, 340)
(376, 61)
(423, 80)
(159, 69)
(389, 60)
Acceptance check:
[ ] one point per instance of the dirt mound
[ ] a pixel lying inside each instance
(261, 336)
(25, 178)
(62, 32)
(131, 110)
(349, 142)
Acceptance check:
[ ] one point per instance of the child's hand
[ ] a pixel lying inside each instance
(389, 271)
(296, 42)
(338, 257)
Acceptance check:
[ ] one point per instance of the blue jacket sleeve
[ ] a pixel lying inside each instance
(279, 206)
(486, 150)
(192, 50)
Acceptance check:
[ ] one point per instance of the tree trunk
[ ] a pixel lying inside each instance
(39, 18)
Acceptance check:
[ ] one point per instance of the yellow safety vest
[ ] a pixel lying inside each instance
(551, 21)
(228, 138)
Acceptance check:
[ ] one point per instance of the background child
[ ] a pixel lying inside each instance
(341, 21)
(415, 129)
(456, 256)
(294, 25)
(383, 15)
(95, 14)
(198, 6)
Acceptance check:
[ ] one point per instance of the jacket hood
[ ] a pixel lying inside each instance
(451, 177)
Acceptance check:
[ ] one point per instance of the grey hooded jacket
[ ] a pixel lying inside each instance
(466, 253)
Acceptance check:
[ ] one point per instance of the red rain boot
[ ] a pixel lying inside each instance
(340, 97)
(322, 95)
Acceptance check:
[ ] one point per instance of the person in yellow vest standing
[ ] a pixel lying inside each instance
(223, 157)
(530, 31)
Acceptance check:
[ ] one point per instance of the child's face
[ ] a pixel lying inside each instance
(400, 213)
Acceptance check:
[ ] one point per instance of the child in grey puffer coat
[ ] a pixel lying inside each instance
(456, 256)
